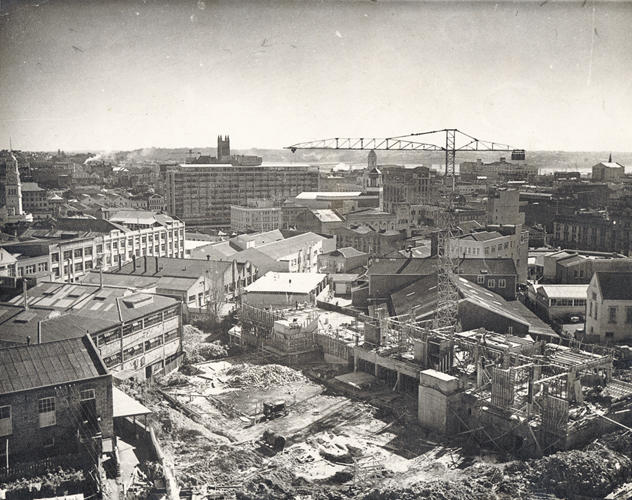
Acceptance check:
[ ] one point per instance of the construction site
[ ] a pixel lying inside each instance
(323, 405)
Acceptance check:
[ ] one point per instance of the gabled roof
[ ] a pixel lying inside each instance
(615, 286)
(280, 249)
(52, 363)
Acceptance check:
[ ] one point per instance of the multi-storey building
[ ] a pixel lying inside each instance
(35, 200)
(498, 170)
(405, 185)
(259, 216)
(203, 194)
(503, 207)
(494, 242)
(75, 246)
(608, 172)
(595, 230)
(135, 333)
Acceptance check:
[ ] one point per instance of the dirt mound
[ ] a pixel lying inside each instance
(434, 490)
(263, 375)
(593, 472)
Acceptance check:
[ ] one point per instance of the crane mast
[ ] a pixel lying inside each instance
(446, 317)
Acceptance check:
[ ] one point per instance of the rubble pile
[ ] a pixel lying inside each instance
(263, 375)
(594, 472)
(434, 490)
(220, 466)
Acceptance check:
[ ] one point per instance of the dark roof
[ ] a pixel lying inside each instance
(70, 326)
(615, 286)
(421, 267)
(53, 363)
(487, 266)
(348, 252)
(169, 266)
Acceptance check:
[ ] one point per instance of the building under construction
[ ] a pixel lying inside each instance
(504, 392)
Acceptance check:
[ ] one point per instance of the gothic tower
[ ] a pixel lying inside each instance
(223, 147)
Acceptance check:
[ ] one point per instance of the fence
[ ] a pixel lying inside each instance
(37, 467)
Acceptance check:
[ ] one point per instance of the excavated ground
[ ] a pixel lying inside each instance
(339, 447)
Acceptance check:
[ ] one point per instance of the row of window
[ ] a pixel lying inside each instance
(46, 408)
(613, 312)
(491, 282)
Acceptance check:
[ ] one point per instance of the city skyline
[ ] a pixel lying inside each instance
(129, 75)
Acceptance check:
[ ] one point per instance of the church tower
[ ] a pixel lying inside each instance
(223, 147)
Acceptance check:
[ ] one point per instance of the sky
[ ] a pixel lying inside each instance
(129, 74)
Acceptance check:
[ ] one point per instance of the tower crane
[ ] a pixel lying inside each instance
(447, 293)
(403, 143)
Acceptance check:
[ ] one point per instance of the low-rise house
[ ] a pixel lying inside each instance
(609, 307)
(55, 406)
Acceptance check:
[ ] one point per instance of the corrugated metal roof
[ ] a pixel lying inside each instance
(40, 365)
(564, 291)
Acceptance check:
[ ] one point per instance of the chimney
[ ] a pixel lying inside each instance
(156, 264)
(134, 260)
(145, 263)
(39, 332)
(28, 340)
(120, 260)
(101, 277)
(26, 305)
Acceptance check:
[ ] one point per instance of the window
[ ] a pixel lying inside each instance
(491, 283)
(132, 327)
(78, 253)
(87, 394)
(48, 442)
(87, 251)
(153, 320)
(493, 248)
(55, 257)
(6, 428)
(67, 255)
(594, 296)
(590, 308)
(609, 335)
(502, 283)
(612, 315)
(486, 250)
(628, 314)
(46, 410)
(480, 279)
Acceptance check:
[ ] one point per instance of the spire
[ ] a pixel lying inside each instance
(610, 159)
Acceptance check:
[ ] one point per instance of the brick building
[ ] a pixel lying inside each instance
(55, 403)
